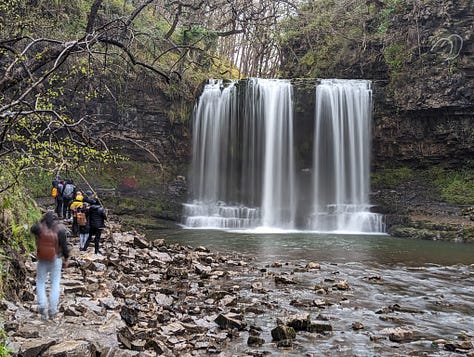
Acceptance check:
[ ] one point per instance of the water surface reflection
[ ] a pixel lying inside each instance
(341, 248)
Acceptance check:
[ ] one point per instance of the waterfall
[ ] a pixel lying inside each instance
(243, 173)
(341, 166)
(242, 167)
(278, 203)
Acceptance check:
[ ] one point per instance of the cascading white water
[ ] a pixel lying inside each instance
(242, 168)
(279, 201)
(341, 174)
(243, 172)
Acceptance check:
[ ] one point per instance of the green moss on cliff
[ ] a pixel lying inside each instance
(392, 177)
(456, 186)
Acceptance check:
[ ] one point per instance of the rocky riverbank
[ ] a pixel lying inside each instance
(147, 298)
(413, 209)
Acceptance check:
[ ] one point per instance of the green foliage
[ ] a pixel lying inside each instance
(395, 56)
(386, 13)
(455, 186)
(324, 34)
(18, 212)
(392, 177)
(4, 351)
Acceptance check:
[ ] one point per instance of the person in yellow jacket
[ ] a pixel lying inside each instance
(76, 203)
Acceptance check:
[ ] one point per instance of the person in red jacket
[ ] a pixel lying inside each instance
(49, 228)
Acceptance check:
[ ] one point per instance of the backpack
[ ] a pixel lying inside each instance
(54, 192)
(68, 191)
(47, 246)
(81, 219)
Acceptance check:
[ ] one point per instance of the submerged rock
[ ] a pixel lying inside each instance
(283, 333)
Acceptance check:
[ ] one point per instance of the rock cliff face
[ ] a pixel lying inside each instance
(421, 137)
(141, 122)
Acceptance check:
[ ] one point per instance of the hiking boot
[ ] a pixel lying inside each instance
(52, 315)
(44, 313)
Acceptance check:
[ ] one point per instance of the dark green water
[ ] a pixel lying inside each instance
(368, 249)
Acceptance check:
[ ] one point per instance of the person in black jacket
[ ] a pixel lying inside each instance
(50, 223)
(97, 217)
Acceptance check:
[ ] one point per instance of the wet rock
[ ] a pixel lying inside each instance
(159, 347)
(254, 310)
(129, 314)
(27, 332)
(35, 347)
(282, 333)
(160, 257)
(202, 249)
(109, 303)
(319, 327)
(313, 266)
(11, 326)
(374, 278)
(230, 320)
(140, 242)
(27, 296)
(89, 305)
(299, 323)
(71, 311)
(125, 336)
(357, 326)
(283, 280)
(341, 285)
(375, 338)
(398, 334)
(321, 303)
(258, 287)
(461, 347)
(157, 243)
(202, 269)
(288, 343)
(228, 300)
(138, 345)
(301, 303)
(70, 349)
(217, 274)
(255, 341)
(255, 330)
(218, 295)
(174, 272)
(163, 300)
(398, 308)
(174, 328)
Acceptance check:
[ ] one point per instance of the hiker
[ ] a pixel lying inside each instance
(56, 180)
(89, 197)
(51, 248)
(68, 193)
(75, 204)
(97, 219)
(82, 217)
(58, 183)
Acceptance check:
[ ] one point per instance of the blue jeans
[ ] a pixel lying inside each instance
(54, 269)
